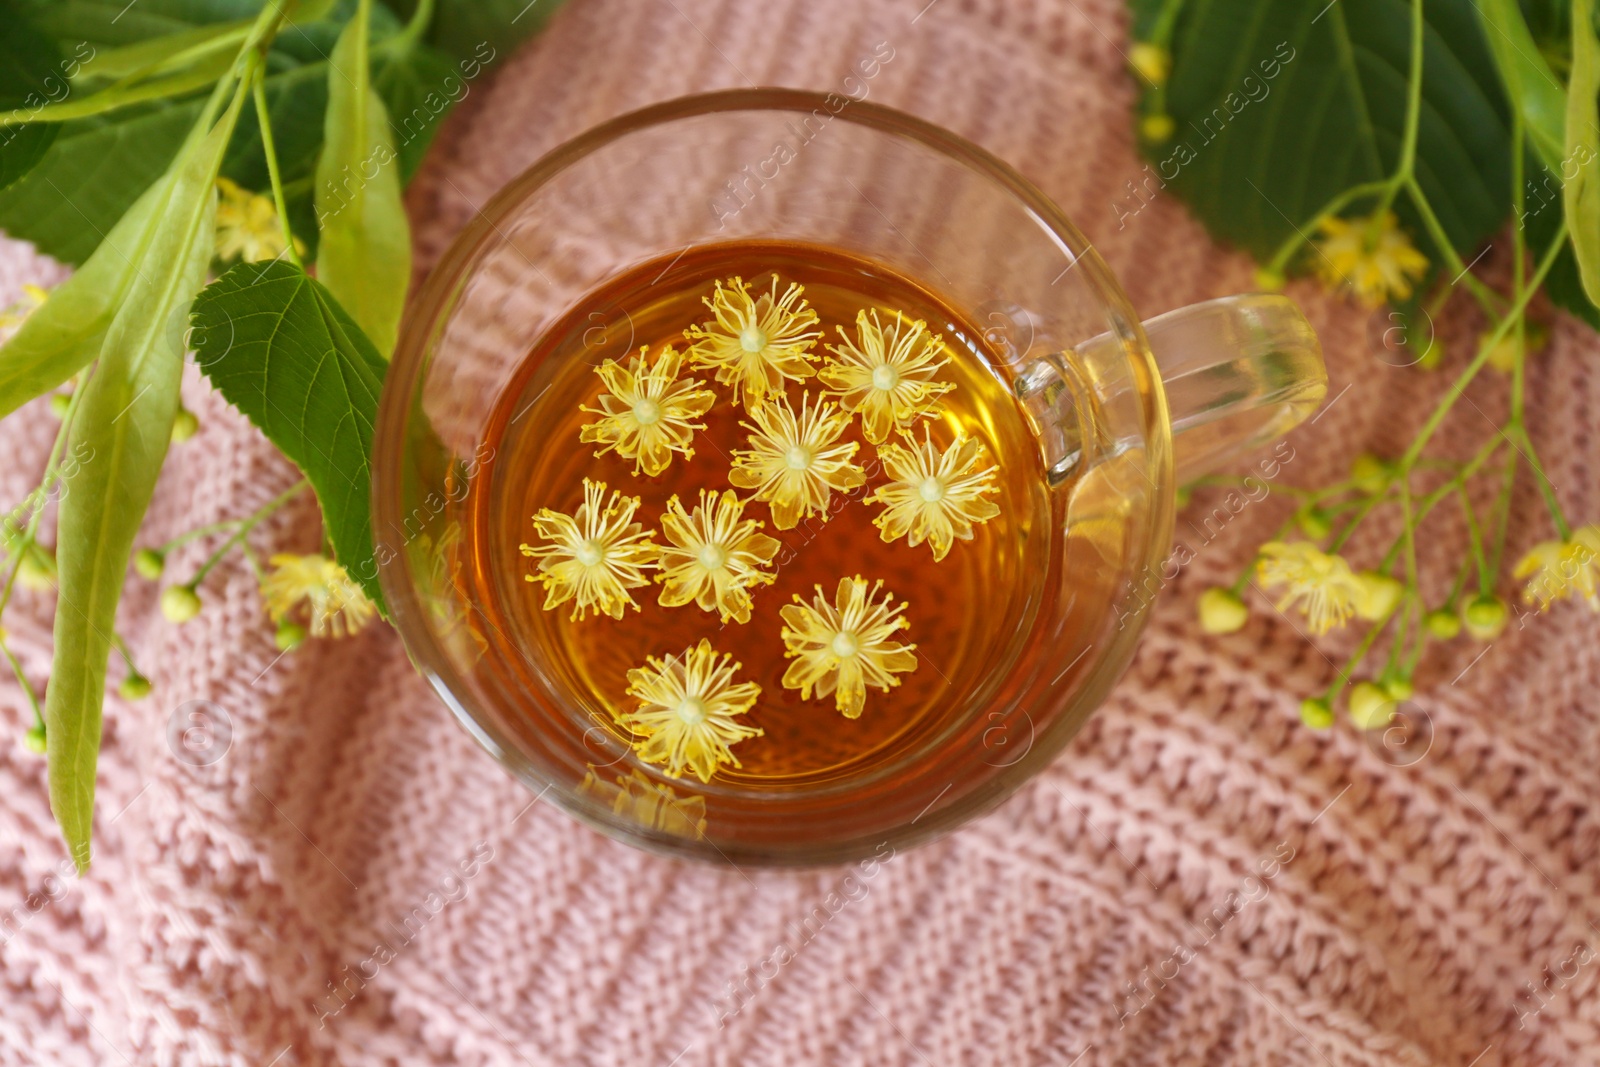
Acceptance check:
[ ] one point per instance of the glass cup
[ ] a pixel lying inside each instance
(1123, 413)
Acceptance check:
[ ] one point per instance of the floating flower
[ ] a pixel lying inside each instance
(754, 343)
(1323, 586)
(846, 646)
(646, 412)
(886, 376)
(1557, 569)
(715, 559)
(1372, 257)
(335, 604)
(33, 297)
(793, 463)
(593, 557)
(687, 710)
(247, 225)
(935, 497)
(652, 804)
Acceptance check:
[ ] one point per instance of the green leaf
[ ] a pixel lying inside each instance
(1529, 82)
(487, 30)
(1280, 106)
(67, 332)
(418, 86)
(31, 75)
(123, 426)
(278, 345)
(364, 255)
(1581, 195)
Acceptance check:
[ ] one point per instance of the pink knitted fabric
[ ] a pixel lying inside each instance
(1198, 880)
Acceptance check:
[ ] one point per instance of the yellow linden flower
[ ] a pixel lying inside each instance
(793, 463)
(714, 558)
(1322, 585)
(247, 225)
(1374, 259)
(1557, 569)
(595, 556)
(646, 411)
(933, 497)
(754, 343)
(33, 297)
(334, 602)
(687, 707)
(844, 647)
(886, 378)
(649, 803)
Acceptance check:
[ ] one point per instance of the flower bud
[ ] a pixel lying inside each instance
(149, 563)
(1380, 595)
(1371, 706)
(1370, 474)
(34, 739)
(1442, 624)
(59, 403)
(1315, 713)
(1269, 280)
(1314, 523)
(1222, 611)
(1431, 356)
(1485, 617)
(37, 569)
(290, 636)
(184, 426)
(1157, 128)
(1399, 689)
(134, 687)
(179, 603)
(1151, 62)
(1503, 355)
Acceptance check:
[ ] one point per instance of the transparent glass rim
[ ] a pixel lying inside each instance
(429, 308)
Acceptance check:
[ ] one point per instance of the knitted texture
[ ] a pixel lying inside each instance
(1198, 880)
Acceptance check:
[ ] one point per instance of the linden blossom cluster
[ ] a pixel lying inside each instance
(755, 343)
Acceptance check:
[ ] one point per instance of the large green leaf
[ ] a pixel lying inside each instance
(364, 255)
(65, 335)
(30, 76)
(123, 425)
(1581, 195)
(487, 30)
(1280, 106)
(278, 345)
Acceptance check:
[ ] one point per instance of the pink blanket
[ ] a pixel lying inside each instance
(1198, 880)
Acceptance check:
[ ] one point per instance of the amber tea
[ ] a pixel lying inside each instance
(761, 517)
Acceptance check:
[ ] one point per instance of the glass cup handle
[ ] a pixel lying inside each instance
(1239, 372)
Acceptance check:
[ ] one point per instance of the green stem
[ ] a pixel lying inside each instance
(264, 120)
(1475, 541)
(1543, 482)
(247, 524)
(422, 18)
(1459, 386)
(38, 497)
(1292, 243)
(1355, 660)
(1487, 298)
(27, 687)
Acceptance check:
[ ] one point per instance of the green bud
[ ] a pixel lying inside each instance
(1157, 128)
(1269, 280)
(1442, 623)
(134, 687)
(184, 426)
(1315, 713)
(1400, 689)
(34, 739)
(289, 636)
(1370, 474)
(1222, 611)
(1485, 617)
(179, 603)
(1314, 523)
(1151, 62)
(1371, 706)
(149, 563)
(1380, 595)
(59, 402)
(37, 570)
